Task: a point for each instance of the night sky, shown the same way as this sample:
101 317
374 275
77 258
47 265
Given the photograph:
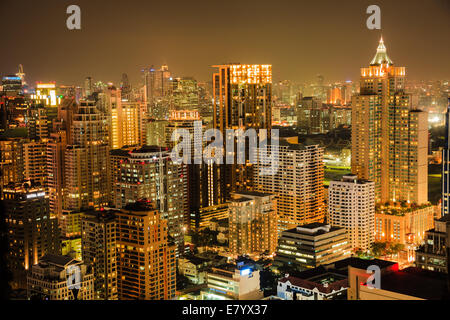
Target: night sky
299 38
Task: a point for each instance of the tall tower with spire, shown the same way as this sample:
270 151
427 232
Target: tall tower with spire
21 75
389 135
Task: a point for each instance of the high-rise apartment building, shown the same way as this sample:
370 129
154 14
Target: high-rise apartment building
11 161
389 136
252 223
146 256
351 205
156 90
46 99
149 173
125 87
99 249
35 161
37 125
66 112
55 170
242 96
148 77
86 160
202 189
32 233
163 82
310 115
297 182
88 88
126 120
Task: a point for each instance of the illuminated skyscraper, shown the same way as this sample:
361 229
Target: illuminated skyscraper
310 115
125 87
242 100
86 160
149 173
148 75
35 160
389 136
88 89
200 176
146 256
297 182
23 159
46 97
11 161
163 79
252 223
351 205
37 124
66 111
55 171
32 233
99 249
125 118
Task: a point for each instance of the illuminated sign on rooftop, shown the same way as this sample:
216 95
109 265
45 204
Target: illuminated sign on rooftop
7 78
245 272
45 85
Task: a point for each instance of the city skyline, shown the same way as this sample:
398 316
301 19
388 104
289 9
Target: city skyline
277 35
181 166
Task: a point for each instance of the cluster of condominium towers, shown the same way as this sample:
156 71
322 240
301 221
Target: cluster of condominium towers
101 184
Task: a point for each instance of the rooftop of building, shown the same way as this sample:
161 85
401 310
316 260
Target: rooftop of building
296 146
353 178
142 205
315 228
444 218
100 216
120 152
149 149
416 282
24 186
285 132
241 199
211 256
361 263
400 208
56 260
381 56
318 272
196 260
225 269
252 194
